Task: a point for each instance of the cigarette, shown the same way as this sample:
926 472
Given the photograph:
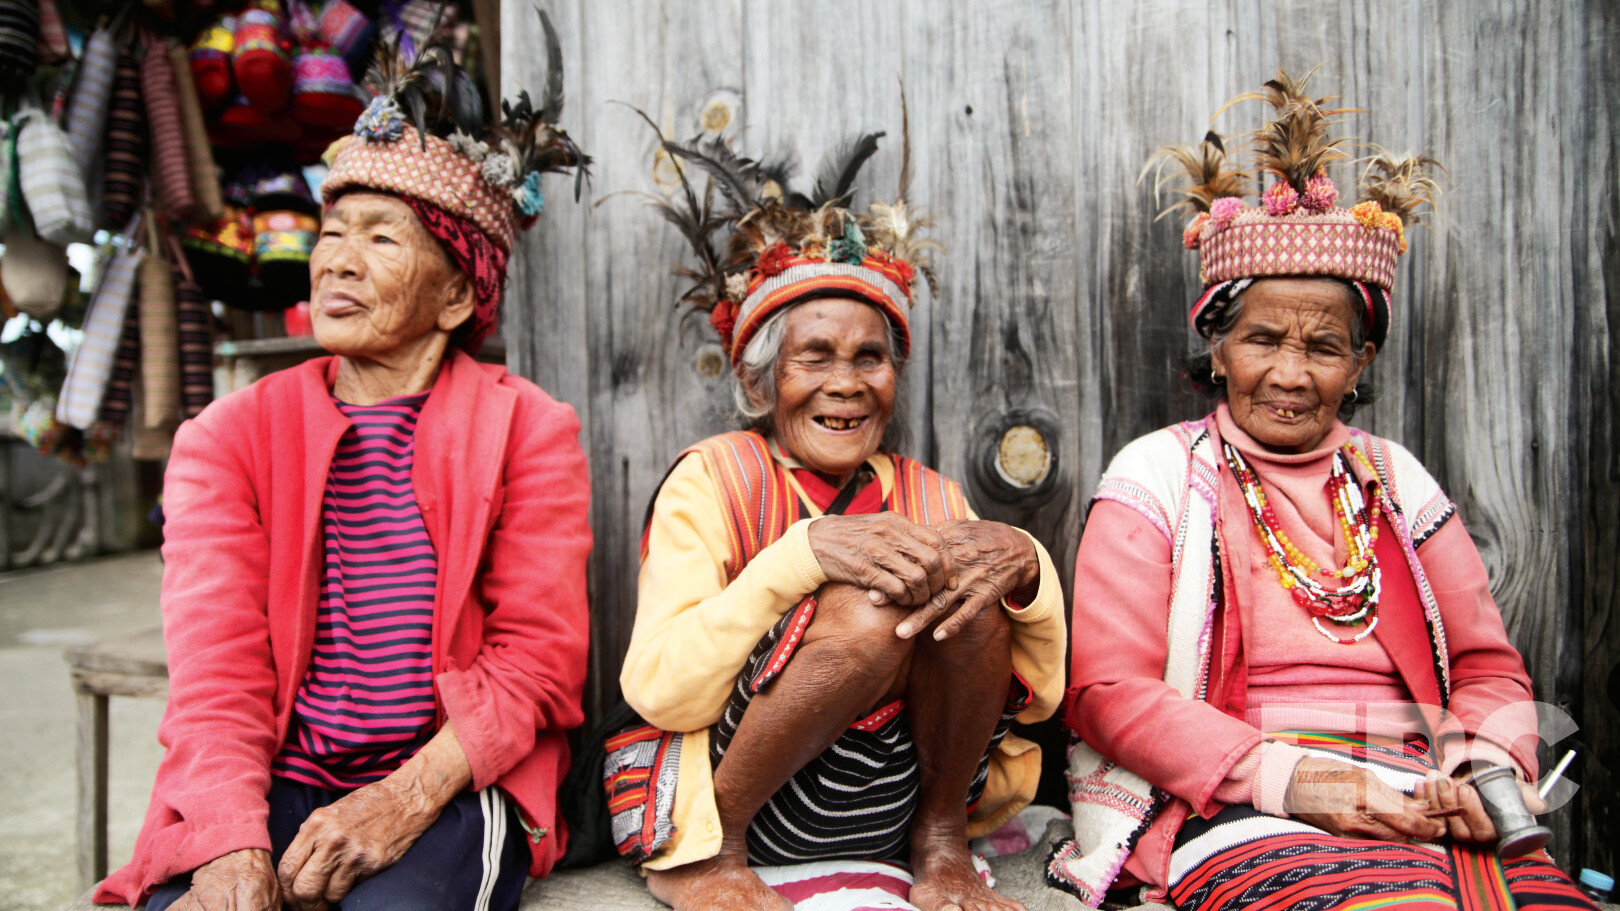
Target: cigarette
1557 773
1442 814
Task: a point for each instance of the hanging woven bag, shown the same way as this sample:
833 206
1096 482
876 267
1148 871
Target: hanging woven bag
204 174
52 184
92 363
160 343
167 131
92 94
116 400
19 40
124 184
196 324
36 275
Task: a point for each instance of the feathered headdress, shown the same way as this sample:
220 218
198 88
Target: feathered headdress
426 136
1297 229
761 245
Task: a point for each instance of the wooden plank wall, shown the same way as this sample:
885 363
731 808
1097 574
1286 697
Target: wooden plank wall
1062 301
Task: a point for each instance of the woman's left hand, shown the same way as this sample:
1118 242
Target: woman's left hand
1469 823
357 836
370 829
993 561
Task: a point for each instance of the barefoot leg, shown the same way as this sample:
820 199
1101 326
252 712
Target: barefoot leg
848 661
955 696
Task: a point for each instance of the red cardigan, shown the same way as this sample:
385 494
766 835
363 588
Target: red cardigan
503 487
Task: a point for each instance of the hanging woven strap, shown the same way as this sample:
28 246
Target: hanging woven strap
160 338
92 363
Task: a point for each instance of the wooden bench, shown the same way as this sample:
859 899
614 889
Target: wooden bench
134 665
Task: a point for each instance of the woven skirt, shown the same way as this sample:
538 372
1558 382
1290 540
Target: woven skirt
857 798
1243 859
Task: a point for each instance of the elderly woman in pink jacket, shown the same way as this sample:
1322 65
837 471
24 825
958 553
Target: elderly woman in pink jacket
1291 660
374 597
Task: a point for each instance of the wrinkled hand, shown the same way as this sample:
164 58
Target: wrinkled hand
349 840
1472 825
239 881
992 561
894 559
1344 800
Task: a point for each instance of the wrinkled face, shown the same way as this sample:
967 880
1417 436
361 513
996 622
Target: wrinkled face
835 382
1288 361
379 282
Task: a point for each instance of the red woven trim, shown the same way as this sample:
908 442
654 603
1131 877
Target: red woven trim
819 285
480 260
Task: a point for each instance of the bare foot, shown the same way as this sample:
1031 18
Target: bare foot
721 883
946 880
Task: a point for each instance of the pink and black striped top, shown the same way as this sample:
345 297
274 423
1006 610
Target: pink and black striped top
366 703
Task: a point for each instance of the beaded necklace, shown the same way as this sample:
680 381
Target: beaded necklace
1356 601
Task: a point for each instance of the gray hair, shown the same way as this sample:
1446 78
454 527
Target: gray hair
1199 366
756 372
1229 314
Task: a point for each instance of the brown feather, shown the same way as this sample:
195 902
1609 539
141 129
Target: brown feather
1400 183
1204 169
1295 145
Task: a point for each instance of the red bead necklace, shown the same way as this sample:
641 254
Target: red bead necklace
1354 602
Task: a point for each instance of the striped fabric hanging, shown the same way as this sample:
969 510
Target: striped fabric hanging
51 181
19 39
196 345
116 401
199 154
124 184
160 344
92 363
92 91
167 132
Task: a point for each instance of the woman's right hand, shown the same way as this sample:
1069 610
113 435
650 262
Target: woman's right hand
896 560
1342 799
242 880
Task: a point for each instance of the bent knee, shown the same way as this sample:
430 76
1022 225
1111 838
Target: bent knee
989 630
846 615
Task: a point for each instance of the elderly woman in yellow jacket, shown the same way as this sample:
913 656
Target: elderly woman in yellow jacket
829 647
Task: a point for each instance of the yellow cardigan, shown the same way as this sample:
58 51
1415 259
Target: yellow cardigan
693 634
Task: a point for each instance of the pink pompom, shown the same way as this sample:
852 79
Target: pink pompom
1320 193
1281 199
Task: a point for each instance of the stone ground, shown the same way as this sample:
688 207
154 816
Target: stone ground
42 612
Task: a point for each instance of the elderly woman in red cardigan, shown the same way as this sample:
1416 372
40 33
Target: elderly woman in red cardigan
1292 659
374 592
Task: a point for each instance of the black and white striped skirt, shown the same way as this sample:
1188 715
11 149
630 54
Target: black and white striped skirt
857 798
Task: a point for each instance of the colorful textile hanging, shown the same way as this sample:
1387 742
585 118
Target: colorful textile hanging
52 184
199 155
160 344
19 39
124 185
116 401
92 92
92 363
196 345
167 132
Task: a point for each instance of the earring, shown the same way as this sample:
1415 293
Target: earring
1215 378
1351 397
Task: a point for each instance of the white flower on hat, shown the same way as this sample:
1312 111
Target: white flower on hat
468 146
500 170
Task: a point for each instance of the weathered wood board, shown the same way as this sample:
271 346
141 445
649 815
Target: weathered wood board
1062 301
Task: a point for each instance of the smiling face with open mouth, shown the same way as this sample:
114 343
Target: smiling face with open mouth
835 384
1289 361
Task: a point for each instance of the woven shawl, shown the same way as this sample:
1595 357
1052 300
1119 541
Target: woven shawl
1171 478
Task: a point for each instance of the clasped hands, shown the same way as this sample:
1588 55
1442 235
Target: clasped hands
947 573
1342 799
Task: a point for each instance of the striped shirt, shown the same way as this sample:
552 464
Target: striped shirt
366 703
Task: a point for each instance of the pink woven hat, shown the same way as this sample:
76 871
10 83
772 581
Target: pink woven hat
473 180
769 247
1297 229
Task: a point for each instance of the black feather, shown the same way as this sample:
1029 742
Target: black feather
835 181
551 105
